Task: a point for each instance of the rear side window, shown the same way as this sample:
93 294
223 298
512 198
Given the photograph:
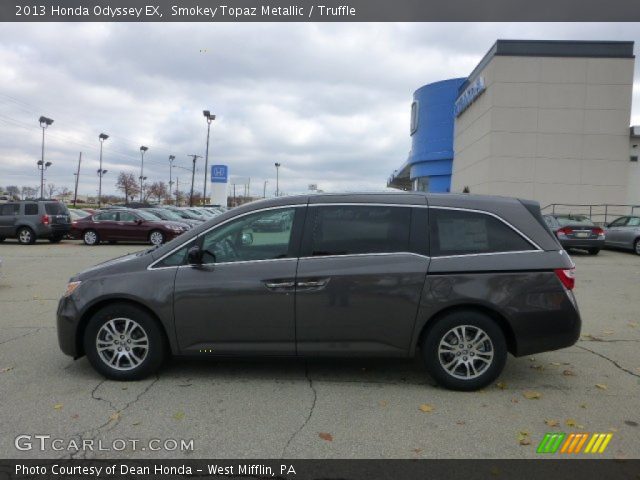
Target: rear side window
106 216
633 222
10 209
455 232
55 209
346 230
31 209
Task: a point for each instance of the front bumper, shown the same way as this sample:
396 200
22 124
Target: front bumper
67 319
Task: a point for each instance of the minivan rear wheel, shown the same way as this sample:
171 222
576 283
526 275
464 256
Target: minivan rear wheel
124 342
464 350
26 236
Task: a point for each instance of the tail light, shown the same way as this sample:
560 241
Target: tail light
598 231
565 231
567 277
45 219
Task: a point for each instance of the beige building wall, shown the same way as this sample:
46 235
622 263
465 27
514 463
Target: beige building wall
633 189
551 129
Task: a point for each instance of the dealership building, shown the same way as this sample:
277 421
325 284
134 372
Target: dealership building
544 120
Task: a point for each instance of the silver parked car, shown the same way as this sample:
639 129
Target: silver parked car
624 232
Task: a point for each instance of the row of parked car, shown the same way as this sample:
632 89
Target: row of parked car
580 232
29 220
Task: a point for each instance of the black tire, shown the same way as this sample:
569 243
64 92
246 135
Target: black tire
158 235
157 344
442 329
636 246
90 237
26 236
56 239
594 251
2 239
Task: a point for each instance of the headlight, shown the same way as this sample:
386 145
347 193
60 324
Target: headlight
71 287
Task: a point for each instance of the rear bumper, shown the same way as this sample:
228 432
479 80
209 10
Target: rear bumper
51 230
558 328
582 243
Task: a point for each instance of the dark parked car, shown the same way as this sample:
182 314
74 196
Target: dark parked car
577 231
461 279
126 225
32 219
624 232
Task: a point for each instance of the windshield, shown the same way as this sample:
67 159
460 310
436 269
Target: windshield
575 220
167 215
55 209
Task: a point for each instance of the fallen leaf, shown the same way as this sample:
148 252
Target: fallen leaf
383 403
531 395
555 364
178 415
124 388
633 324
569 373
135 424
75 415
515 400
523 438
460 422
570 422
537 366
58 406
601 386
425 407
417 450
326 436
552 423
6 369
114 416
501 385
583 405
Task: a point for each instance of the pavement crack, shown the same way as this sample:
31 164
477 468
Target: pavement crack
313 406
36 330
616 364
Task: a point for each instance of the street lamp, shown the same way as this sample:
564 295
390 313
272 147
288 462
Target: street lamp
210 118
44 123
102 137
42 166
142 177
171 159
193 175
277 179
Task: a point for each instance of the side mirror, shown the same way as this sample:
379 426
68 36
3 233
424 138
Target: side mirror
139 221
247 239
194 255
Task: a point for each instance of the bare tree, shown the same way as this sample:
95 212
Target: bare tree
51 189
13 191
128 184
158 190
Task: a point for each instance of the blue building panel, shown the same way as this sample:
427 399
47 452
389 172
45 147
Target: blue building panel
430 160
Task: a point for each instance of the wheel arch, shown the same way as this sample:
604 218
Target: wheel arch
493 313
104 302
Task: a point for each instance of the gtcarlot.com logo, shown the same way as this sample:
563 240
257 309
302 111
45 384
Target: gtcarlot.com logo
559 442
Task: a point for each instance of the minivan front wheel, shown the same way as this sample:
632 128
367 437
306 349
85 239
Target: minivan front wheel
464 350
124 342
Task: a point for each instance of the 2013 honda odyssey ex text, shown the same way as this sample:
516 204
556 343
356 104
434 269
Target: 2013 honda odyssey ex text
461 279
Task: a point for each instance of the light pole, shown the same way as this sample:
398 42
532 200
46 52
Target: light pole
42 166
102 137
264 189
44 123
171 159
143 149
210 118
193 176
277 179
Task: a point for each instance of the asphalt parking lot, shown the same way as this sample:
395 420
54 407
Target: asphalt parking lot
316 408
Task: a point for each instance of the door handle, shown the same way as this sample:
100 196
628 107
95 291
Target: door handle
313 283
279 285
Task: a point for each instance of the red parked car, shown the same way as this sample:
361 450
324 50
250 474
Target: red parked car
126 226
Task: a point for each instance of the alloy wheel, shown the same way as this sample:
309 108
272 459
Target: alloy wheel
25 236
90 237
156 238
465 352
122 344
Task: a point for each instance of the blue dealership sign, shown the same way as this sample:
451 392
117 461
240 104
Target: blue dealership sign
219 174
472 92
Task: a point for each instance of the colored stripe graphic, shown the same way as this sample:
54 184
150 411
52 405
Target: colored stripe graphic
598 443
574 443
550 442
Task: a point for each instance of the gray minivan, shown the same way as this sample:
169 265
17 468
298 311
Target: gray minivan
462 279
29 220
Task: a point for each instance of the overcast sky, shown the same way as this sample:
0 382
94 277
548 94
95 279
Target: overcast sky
330 102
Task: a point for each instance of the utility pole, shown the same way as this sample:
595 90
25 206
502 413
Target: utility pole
171 159
264 189
210 118
177 191
143 149
75 193
193 176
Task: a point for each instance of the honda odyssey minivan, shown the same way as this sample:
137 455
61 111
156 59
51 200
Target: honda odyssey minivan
460 280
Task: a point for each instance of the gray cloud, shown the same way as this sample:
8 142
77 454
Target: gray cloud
328 101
